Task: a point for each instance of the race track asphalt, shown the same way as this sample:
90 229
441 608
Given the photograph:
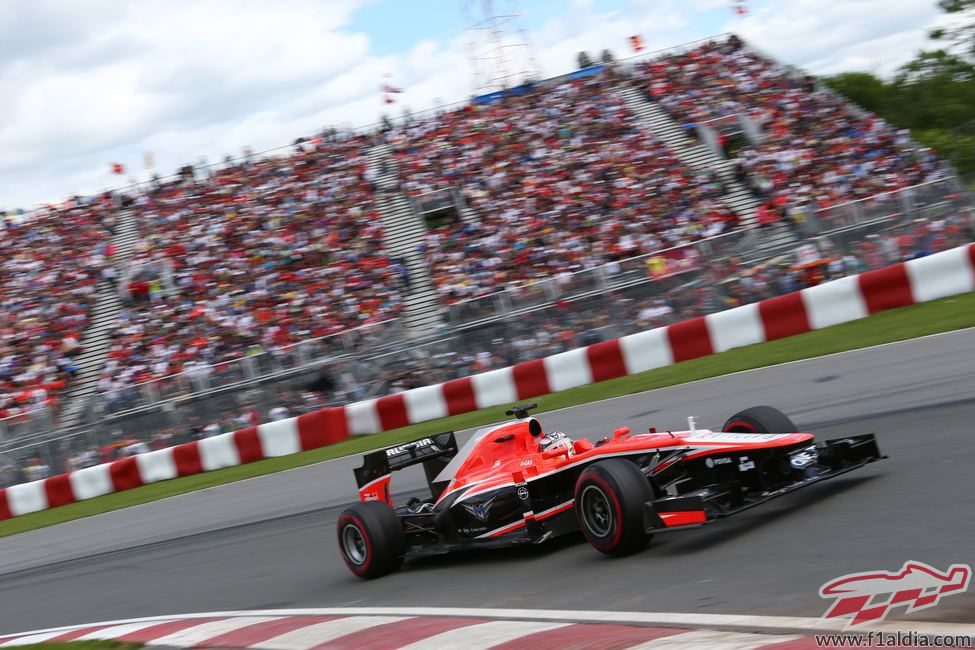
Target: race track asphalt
269 542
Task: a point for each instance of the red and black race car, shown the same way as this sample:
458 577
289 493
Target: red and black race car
502 488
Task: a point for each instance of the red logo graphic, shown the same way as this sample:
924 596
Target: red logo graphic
869 596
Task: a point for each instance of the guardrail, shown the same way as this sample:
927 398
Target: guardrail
435 200
185 385
607 276
585 320
275 361
607 289
33 421
913 200
851 298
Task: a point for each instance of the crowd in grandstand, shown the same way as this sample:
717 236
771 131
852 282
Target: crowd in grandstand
560 179
716 284
263 254
267 253
51 261
816 150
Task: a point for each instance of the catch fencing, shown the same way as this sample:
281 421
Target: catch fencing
539 318
850 298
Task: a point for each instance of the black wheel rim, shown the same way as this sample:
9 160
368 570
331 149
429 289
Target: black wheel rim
597 514
354 544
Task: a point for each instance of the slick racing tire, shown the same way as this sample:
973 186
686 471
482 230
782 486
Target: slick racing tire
760 419
371 539
609 501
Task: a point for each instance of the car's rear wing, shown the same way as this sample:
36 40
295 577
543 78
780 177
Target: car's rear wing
433 452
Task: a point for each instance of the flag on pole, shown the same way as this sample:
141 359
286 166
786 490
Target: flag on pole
118 168
636 42
388 89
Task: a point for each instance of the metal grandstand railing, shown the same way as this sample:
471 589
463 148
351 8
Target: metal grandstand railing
590 317
667 267
909 200
710 131
274 362
914 200
642 268
162 270
192 392
435 200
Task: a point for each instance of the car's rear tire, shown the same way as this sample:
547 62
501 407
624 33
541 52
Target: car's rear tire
760 419
371 539
609 501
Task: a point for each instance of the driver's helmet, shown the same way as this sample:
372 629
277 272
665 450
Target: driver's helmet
555 440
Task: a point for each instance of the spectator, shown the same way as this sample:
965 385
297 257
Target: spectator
279 413
262 255
51 260
562 179
816 149
36 470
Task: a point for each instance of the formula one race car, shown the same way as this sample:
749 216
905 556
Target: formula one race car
502 488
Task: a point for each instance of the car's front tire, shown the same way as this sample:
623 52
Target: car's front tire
371 539
609 501
760 419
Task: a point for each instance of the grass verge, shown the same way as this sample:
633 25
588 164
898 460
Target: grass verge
944 315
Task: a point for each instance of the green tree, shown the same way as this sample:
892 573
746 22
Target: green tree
935 90
956 147
962 35
863 88
933 95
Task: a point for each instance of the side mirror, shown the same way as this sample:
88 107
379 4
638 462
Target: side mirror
534 427
621 432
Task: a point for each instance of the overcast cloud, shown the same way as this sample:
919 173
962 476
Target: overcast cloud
90 82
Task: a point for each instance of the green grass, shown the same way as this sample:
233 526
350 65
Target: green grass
895 325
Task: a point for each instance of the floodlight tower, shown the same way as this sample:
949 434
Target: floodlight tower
498 47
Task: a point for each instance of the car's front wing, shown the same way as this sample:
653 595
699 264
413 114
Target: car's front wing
717 501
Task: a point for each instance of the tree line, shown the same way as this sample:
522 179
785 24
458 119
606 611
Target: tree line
933 95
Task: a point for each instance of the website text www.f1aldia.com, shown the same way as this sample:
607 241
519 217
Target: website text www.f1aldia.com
907 639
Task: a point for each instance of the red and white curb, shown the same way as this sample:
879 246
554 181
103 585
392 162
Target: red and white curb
418 628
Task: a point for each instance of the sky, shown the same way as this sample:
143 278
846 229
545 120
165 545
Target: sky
87 83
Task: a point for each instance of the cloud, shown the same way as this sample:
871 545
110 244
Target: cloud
34 30
86 84
824 37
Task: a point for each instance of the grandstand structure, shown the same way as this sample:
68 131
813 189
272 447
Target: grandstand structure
402 230
566 211
693 153
97 335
